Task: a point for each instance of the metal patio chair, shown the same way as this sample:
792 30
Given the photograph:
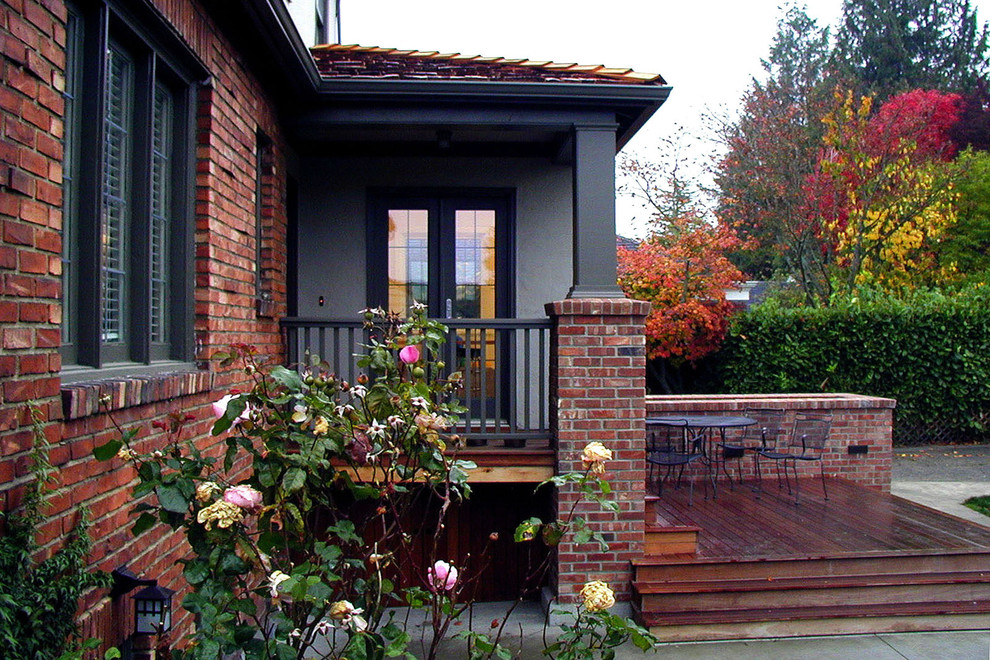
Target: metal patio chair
768 427
807 443
670 447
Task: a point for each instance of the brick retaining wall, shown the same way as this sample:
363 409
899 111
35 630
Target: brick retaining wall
856 420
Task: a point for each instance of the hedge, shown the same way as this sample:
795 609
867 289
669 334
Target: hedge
930 351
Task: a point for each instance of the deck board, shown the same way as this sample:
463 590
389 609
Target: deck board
741 524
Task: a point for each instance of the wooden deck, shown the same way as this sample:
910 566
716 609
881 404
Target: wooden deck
741 524
862 561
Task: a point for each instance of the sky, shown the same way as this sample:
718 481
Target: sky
708 50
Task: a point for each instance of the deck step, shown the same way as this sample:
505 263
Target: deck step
665 540
686 568
875 591
757 595
656 621
818 582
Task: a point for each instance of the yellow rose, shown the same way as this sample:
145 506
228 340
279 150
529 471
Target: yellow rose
594 456
597 596
206 490
224 514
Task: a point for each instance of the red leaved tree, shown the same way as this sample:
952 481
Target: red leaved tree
684 272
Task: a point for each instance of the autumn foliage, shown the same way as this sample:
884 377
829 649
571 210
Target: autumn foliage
684 272
883 189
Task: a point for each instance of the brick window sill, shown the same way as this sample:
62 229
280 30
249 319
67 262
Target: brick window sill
82 399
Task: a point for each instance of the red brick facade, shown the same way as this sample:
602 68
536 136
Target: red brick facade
856 420
597 393
233 108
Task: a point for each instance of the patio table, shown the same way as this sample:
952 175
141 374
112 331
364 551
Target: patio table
701 426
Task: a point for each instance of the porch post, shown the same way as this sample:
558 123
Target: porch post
598 393
594 214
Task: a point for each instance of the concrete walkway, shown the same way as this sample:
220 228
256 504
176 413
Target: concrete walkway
943 477
524 638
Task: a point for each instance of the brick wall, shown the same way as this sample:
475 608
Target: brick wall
597 393
30 212
230 112
856 420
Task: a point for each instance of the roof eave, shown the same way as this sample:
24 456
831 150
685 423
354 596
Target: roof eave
643 100
277 37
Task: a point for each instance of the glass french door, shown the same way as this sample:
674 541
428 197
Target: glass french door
451 253
446 252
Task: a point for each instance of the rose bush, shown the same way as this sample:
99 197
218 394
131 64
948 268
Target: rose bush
298 527
285 554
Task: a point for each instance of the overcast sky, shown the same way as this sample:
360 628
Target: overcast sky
706 49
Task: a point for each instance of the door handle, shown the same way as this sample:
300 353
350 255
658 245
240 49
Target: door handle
449 309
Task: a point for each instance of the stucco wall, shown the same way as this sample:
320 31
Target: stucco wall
332 250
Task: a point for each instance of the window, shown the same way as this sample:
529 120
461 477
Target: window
128 194
264 208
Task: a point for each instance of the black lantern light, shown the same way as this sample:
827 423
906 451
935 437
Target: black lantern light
152 610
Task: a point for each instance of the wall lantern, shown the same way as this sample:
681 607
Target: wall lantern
152 605
152 610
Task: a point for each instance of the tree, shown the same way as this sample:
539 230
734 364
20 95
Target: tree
664 184
684 272
966 249
885 189
973 127
772 149
891 46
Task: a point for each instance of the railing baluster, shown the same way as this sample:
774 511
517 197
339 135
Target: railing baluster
527 386
544 382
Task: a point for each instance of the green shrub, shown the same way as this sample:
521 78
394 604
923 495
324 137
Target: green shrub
38 600
929 350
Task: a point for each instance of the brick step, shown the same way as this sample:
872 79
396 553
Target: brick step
656 621
864 590
686 568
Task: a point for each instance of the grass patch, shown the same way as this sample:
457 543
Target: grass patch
980 504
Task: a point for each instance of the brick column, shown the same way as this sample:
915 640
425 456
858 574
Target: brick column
597 392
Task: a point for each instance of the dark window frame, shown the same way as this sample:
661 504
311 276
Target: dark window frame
160 61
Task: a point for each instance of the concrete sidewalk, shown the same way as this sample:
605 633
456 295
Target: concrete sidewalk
943 477
524 638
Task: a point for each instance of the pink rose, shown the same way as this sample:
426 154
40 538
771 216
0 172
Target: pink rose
243 496
409 354
442 576
220 408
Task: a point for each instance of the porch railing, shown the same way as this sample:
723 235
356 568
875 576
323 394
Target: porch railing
503 365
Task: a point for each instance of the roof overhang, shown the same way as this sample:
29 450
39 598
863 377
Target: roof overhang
320 106
529 104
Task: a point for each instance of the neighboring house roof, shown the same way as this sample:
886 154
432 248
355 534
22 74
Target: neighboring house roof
351 61
626 242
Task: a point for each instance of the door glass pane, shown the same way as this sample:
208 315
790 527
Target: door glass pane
474 296
474 277
408 258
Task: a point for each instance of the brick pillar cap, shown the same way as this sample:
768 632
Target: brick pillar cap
598 307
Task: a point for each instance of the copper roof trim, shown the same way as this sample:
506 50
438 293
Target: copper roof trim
379 62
